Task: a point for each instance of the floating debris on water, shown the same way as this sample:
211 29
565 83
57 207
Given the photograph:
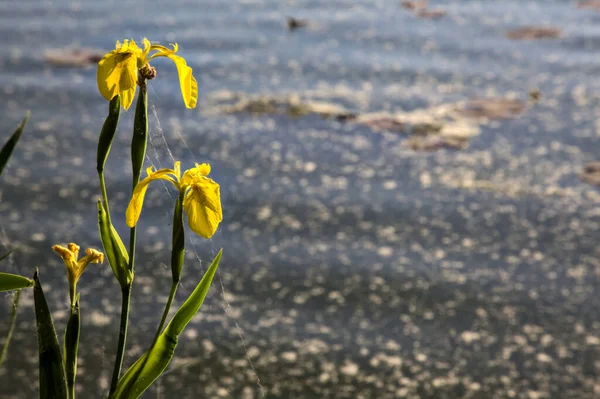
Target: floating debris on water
294 23
434 143
534 33
291 105
420 9
534 95
592 5
73 56
387 124
448 125
431 14
414 5
492 108
591 173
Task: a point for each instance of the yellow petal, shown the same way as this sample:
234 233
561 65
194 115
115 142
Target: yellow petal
162 49
92 256
203 207
134 209
193 174
74 248
117 72
203 169
177 170
65 253
147 48
187 82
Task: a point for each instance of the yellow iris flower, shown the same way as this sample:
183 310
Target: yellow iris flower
201 197
76 267
118 71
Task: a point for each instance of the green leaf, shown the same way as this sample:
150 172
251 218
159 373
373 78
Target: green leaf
53 383
11 143
151 364
6 255
9 281
71 347
191 306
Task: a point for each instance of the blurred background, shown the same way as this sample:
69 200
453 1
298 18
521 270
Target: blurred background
408 194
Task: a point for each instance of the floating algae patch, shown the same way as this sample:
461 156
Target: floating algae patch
285 104
445 126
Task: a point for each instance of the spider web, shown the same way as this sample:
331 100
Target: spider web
159 151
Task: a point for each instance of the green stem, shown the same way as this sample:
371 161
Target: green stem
126 297
104 196
71 347
13 319
174 286
177 258
107 134
139 143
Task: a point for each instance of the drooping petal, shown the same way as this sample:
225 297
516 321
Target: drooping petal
203 207
187 82
134 209
163 49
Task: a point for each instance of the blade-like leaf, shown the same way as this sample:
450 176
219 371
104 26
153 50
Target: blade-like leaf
53 383
9 281
151 364
6 255
191 306
11 143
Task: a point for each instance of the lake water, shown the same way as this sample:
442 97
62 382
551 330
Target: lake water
354 266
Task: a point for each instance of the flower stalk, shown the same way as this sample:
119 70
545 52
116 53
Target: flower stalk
71 347
12 323
177 258
139 144
107 135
